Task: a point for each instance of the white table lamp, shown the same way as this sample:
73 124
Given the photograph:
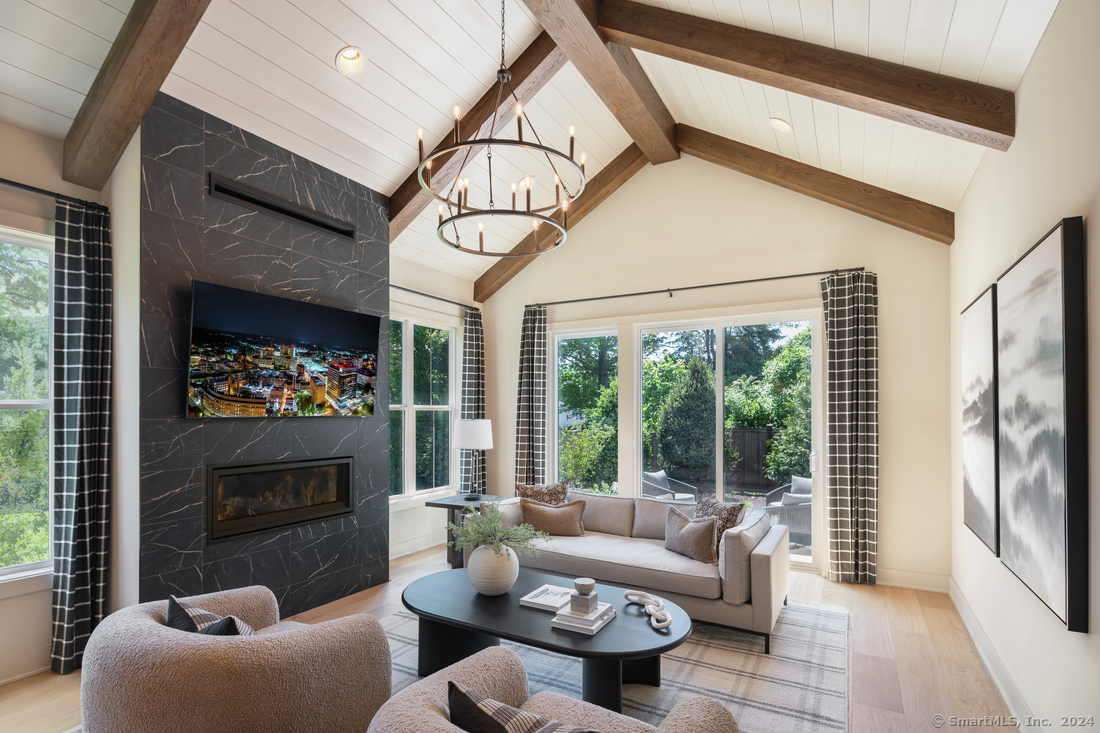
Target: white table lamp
473 435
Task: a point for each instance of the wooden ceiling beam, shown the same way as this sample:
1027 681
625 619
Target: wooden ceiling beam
613 72
151 39
960 109
885 206
602 185
530 72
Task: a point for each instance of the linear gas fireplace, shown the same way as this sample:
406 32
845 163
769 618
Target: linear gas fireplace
254 497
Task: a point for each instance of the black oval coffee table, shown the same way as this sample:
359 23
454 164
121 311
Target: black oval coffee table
457 621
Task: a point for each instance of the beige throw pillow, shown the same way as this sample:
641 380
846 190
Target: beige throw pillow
693 538
563 520
544 493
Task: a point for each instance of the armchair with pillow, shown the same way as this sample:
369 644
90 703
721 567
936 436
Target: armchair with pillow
792 505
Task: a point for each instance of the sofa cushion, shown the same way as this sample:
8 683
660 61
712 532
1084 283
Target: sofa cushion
474 713
650 516
628 562
735 556
795 499
800 485
509 509
563 520
546 493
692 538
606 513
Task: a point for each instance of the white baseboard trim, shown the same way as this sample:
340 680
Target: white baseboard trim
24 664
416 544
997 668
913 579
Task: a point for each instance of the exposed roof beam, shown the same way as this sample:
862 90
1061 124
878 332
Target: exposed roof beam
885 206
602 185
960 109
613 72
534 67
148 44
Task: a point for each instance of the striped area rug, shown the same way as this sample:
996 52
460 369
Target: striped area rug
802 687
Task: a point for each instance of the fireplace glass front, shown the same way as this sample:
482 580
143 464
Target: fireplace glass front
255 497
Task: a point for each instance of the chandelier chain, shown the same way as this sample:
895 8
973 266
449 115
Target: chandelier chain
502 37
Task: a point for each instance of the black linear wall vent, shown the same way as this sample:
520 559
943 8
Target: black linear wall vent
239 193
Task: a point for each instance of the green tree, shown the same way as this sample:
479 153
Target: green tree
579 450
585 367
659 376
685 425
306 407
748 348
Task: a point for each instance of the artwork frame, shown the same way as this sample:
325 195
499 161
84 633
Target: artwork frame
978 361
1042 433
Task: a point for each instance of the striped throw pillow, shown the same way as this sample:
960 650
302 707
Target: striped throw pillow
186 617
475 713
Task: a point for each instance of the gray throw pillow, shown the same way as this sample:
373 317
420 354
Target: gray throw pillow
796 499
692 538
800 485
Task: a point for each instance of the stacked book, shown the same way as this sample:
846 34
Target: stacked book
587 623
548 597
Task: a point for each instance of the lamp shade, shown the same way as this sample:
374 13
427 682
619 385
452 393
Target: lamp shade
473 434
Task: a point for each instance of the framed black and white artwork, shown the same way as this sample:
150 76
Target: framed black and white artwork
1043 422
978 333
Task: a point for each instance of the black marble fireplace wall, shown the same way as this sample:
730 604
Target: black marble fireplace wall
186 234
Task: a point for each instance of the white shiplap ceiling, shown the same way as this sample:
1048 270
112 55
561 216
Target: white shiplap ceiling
267 66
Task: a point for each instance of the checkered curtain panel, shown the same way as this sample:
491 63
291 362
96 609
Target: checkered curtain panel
473 396
851 332
82 427
531 406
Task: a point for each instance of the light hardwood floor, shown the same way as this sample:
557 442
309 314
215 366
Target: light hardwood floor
910 657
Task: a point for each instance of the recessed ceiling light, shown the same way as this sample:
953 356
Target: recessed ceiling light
351 60
781 124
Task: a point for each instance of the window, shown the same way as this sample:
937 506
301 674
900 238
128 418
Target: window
421 407
25 405
587 388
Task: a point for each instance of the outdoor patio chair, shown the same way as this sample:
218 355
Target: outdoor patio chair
792 505
659 486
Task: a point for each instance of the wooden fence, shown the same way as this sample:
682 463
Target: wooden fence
746 473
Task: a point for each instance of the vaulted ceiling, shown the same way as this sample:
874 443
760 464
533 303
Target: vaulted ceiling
267 65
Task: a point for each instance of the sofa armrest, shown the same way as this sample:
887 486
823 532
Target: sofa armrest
771 577
699 714
496 672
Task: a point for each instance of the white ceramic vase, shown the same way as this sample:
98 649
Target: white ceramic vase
492 574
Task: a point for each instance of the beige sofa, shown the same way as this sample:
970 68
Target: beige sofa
141 675
623 544
498 673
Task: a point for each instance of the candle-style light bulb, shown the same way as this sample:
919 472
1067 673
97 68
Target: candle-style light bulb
582 163
441 213
466 191
457 114
557 190
481 235
428 173
565 214
513 197
459 195
519 121
527 185
571 141
420 142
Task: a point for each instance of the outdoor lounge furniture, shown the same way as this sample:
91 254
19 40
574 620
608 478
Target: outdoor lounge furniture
499 674
658 485
142 675
792 505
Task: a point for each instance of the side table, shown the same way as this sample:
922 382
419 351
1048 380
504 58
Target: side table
454 505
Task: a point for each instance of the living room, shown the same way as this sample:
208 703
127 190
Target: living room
269 153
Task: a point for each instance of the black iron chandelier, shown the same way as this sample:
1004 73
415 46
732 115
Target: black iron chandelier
462 223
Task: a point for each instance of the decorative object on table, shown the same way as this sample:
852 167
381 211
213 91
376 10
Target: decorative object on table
1043 432
547 598
563 520
493 566
463 223
978 328
584 623
659 618
473 435
585 599
553 494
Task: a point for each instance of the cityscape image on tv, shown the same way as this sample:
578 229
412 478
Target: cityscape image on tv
274 357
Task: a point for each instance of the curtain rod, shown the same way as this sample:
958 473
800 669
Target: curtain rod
50 194
670 291
433 297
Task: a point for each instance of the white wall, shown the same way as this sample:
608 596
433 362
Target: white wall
690 223
25 603
1051 171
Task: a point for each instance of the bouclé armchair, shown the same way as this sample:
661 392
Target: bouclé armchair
141 675
498 673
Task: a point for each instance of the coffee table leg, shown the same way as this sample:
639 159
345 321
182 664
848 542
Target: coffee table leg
645 671
441 645
603 683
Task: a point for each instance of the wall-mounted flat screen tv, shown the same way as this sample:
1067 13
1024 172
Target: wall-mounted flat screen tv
256 355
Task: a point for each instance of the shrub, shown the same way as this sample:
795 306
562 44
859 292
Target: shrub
686 422
24 538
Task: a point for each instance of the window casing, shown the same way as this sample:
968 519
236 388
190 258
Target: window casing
26 402
424 399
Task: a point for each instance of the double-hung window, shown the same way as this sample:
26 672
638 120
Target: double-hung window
423 401
26 265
